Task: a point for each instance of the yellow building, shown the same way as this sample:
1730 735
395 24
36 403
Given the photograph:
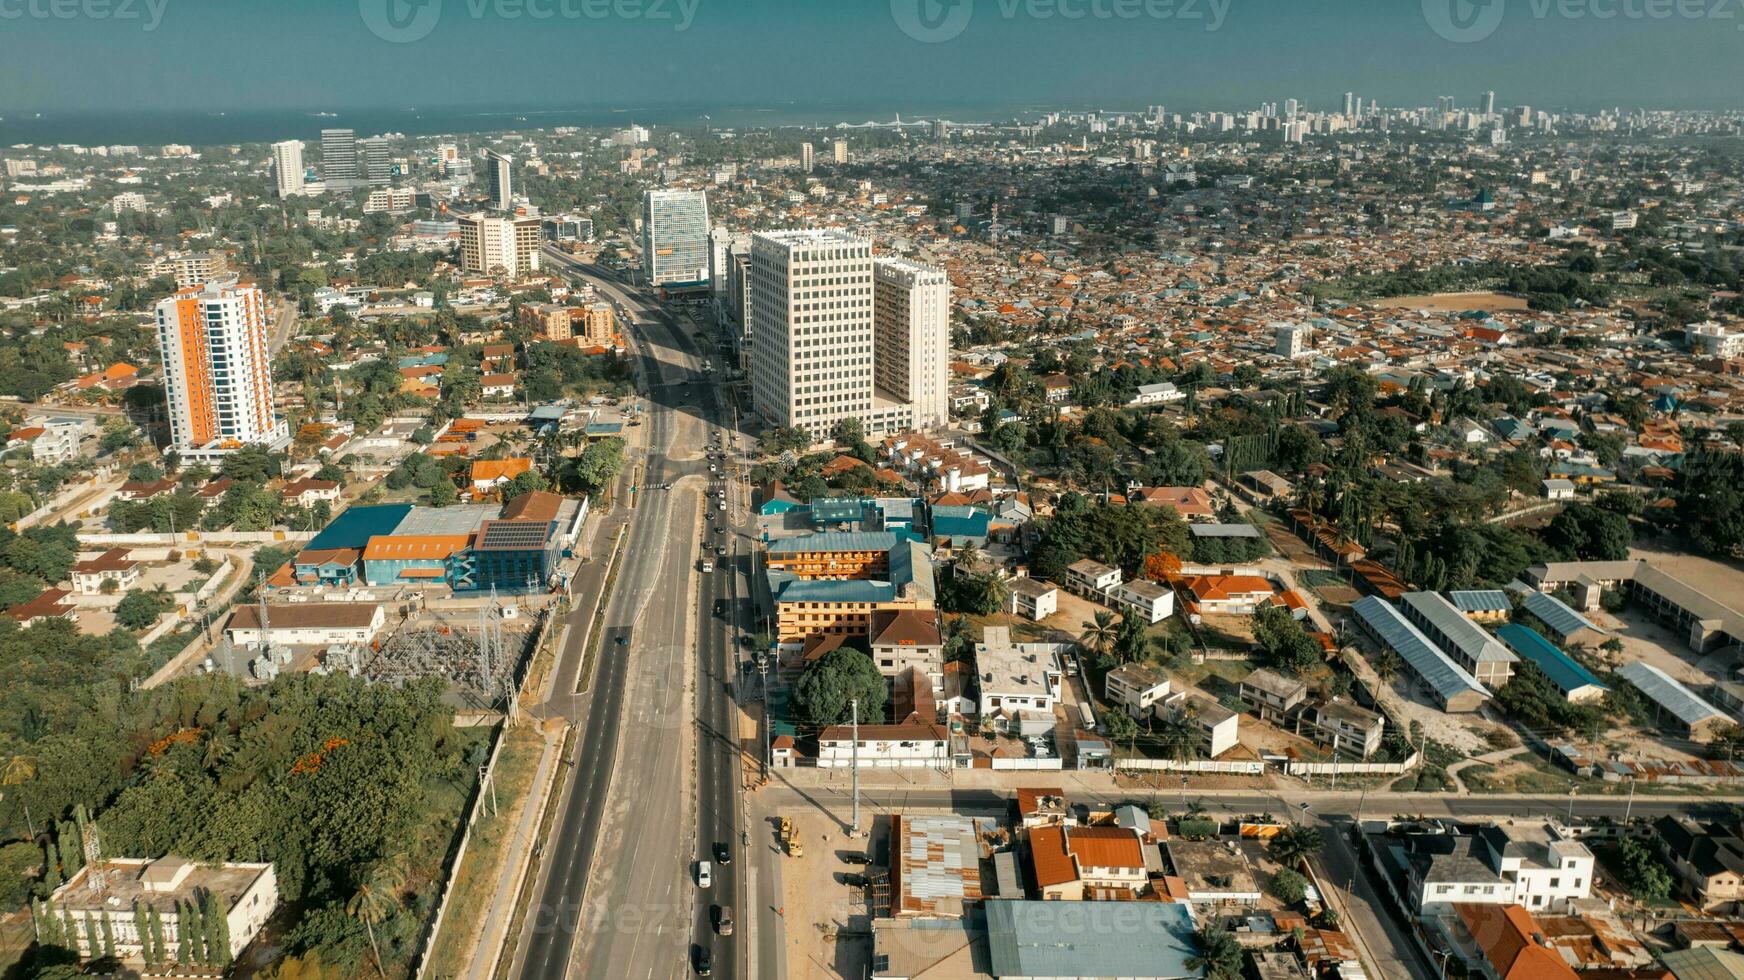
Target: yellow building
833 584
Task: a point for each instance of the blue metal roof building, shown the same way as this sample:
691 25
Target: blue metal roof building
1575 681
1567 624
354 527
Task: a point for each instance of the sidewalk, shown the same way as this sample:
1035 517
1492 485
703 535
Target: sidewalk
488 944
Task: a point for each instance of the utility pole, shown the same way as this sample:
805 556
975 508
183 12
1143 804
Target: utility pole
1627 807
854 706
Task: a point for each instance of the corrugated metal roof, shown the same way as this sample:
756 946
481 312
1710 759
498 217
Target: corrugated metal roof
1423 657
834 541
1668 692
1564 671
1473 643
1481 600
1557 615
1090 939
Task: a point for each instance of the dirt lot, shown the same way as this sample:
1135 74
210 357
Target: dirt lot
829 925
1644 639
1452 302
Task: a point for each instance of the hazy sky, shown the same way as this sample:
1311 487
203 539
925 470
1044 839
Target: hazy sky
284 54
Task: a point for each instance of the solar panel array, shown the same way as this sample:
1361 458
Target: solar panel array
514 535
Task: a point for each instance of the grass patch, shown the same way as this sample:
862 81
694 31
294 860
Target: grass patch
475 879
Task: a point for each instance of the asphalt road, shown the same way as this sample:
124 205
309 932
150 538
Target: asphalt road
618 898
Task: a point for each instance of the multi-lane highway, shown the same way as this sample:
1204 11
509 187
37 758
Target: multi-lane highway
617 896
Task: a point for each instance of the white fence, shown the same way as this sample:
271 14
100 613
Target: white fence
1029 765
1354 768
1233 768
193 538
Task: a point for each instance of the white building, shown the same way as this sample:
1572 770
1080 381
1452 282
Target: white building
1136 688
1157 394
911 343
1292 339
1151 602
113 565
1019 684
217 373
316 624
675 237
499 246
1092 579
811 329
1713 340
288 168
110 890
913 746
1034 599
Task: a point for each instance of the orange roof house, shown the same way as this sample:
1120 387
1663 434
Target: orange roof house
488 474
1508 936
110 378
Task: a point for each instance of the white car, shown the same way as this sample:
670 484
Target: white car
704 874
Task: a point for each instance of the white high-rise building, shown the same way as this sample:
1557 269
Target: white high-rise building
1292 339
835 333
1489 103
374 164
807 158
500 173
496 245
839 151
217 373
288 168
675 237
339 169
911 338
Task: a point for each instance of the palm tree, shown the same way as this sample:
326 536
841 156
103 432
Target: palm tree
1387 666
376 899
1295 843
1099 635
1219 955
21 769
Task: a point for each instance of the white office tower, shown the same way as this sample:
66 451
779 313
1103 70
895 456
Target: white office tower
720 243
675 238
811 329
1489 103
840 151
339 159
911 338
807 158
217 374
500 173
1349 104
288 168
496 245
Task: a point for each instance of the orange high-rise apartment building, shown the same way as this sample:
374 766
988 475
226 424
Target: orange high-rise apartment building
216 371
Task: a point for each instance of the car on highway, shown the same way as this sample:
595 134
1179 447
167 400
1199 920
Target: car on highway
724 919
705 874
704 961
721 550
723 852
722 505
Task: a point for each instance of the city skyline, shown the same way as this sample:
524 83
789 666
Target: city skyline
1197 52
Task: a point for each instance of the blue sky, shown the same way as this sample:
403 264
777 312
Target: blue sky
294 54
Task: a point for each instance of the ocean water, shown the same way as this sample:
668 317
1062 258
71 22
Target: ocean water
90 128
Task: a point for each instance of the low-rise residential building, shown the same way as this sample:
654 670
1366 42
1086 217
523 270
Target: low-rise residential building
1273 696
905 639
1219 728
1033 599
1707 859
1343 726
1227 595
1136 688
1147 600
1077 863
1532 865
112 566
1092 579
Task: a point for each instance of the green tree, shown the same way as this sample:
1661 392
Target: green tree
1295 843
217 921
1642 872
377 897
1584 532
1289 886
140 610
1099 635
822 695
1219 954
1121 728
